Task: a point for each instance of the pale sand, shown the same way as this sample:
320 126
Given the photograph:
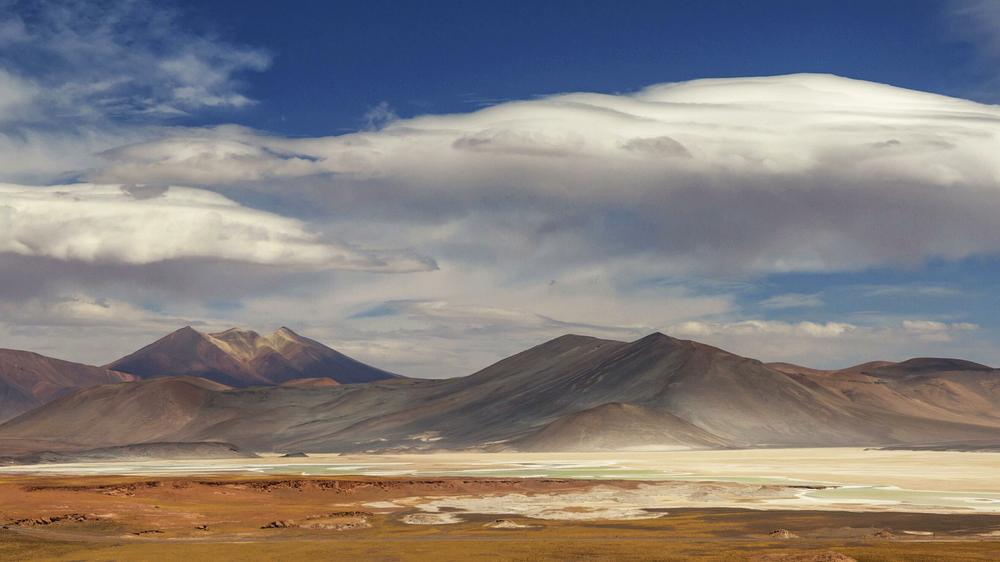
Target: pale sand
914 470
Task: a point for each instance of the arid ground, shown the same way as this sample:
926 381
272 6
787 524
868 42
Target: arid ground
771 513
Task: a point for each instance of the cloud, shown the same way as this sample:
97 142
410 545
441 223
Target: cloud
832 344
82 311
745 175
819 329
131 225
479 318
933 330
78 78
908 290
84 328
91 60
978 21
764 327
791 300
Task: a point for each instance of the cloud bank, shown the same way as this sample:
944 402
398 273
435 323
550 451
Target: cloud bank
752 175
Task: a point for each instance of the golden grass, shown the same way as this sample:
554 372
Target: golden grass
234 513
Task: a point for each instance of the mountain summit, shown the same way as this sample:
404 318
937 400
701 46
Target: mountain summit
245 358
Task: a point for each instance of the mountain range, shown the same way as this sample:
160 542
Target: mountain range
571 393
237 358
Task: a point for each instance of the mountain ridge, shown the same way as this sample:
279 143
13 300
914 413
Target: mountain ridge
573 392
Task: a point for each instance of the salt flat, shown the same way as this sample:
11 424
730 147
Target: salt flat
924 470
828 478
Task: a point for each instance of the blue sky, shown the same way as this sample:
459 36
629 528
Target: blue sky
432 186
344 58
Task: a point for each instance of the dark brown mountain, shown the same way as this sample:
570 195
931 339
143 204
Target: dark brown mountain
574 392
245 358
28 380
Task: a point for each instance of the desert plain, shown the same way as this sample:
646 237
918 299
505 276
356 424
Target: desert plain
832 504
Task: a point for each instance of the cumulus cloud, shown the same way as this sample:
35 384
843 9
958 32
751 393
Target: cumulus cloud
751 175
135 225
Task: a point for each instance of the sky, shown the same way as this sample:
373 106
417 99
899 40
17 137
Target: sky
430 187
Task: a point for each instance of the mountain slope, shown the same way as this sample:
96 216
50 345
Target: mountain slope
115 414
245 358
28 380
946 390
739 400
616 426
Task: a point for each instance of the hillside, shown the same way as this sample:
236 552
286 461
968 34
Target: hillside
28 380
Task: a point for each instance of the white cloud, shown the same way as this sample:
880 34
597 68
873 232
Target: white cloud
141 225
119 58
753 175
77 78
765 328
932 329
833 344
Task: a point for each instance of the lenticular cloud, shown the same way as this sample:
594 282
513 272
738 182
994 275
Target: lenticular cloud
141 225
785 173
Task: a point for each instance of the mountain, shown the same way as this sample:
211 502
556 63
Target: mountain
245 358
946 390
571 393
115 414
28 380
